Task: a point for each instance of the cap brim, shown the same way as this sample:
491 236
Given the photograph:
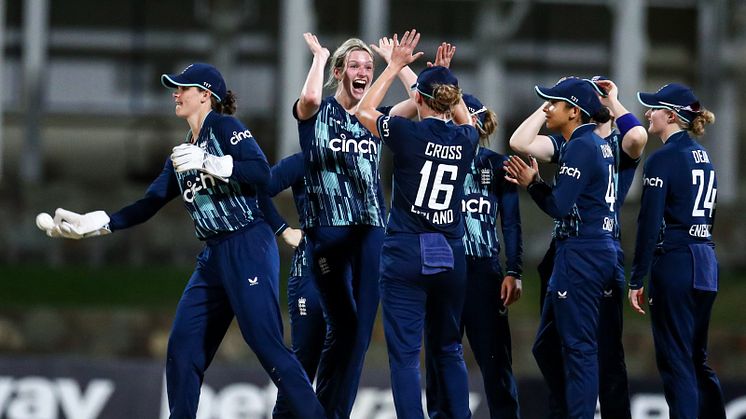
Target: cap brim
172 81
597 88
549 94
649 100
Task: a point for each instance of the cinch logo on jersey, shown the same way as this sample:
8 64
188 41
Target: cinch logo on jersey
569 171
479 205
199 183
701 231
238 136
655 182
606 151
385 127
363 146
448 152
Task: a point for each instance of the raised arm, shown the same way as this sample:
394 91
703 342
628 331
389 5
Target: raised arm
443 57
527 141
401 56
310 96
634 136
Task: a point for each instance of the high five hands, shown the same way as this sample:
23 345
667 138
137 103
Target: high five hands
402 53
519 172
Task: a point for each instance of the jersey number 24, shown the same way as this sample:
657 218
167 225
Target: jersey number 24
698 178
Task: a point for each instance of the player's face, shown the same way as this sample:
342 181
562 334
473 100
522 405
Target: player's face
357 75
658 120
557 114
189 100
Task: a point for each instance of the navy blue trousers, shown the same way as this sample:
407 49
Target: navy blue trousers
680 317
583 269
236 276
307 331
485 321
412 304
346 264
613 383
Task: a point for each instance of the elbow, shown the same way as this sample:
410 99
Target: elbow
309 99
263 176
365 115
515 144
634 141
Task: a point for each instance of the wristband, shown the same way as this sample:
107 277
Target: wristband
626 122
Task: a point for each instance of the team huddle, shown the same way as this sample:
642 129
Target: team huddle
433 260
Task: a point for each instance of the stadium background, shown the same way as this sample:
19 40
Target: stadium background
86 125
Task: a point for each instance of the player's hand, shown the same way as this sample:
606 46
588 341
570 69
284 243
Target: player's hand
71 225
519 172
612 92
315 46
292 236
384 48
444 55
403 53
190 157
511 290
187 157
637 299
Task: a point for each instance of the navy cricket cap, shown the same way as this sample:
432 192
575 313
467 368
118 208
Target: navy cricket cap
600 90
577 92
431 77
674 97
199 75
475 107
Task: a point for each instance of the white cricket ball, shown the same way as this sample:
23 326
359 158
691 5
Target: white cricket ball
44 221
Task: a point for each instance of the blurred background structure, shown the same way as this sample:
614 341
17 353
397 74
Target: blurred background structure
85 124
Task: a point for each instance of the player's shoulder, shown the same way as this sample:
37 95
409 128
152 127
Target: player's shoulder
225 121
586 142
490 157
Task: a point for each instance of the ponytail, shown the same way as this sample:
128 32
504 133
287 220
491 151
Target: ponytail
697 126
227 106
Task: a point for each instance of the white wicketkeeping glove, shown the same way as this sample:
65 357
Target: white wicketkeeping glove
190 157
72 225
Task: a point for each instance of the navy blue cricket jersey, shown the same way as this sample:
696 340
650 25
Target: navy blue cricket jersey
624 175
343 185
431 160
290 173
583 199
678 201
216 207
486 195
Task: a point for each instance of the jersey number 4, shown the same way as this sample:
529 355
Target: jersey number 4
434 203
611 190
698 178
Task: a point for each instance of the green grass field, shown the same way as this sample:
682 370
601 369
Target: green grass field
160 286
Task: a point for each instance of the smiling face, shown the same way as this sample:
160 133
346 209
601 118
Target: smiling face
658 119
190 100
558 113
355 79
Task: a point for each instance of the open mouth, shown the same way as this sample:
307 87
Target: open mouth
359 84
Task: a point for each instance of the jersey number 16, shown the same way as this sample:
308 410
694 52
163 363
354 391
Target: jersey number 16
438 186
